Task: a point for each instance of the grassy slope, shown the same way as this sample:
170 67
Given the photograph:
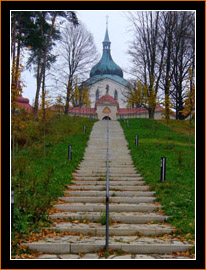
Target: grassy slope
177 193
39 177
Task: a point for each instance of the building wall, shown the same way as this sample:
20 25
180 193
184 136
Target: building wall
112 114
157 116
101 86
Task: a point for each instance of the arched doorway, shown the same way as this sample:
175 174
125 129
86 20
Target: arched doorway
106 118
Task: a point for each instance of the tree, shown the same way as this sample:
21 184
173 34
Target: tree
45 113
189 107
135 96
42 42
162 51
76 95
182 56
18 116
77 53
147 56
167 112
85 101
59 104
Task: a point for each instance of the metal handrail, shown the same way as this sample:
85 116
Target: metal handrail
107 191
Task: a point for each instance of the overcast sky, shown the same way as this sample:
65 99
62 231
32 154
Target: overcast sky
95 22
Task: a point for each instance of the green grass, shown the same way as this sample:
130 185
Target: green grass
177 193
40 176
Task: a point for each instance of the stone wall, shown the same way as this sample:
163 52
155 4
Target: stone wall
157 116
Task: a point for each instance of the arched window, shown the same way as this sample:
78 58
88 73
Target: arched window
115 95
97 94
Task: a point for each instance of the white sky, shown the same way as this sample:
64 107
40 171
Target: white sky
95 22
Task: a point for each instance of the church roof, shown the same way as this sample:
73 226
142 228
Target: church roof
115 78
106 65
107 98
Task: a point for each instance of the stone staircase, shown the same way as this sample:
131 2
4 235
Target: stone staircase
137 225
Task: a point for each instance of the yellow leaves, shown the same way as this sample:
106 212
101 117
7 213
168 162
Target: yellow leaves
85 96
167 105
45 113
135 96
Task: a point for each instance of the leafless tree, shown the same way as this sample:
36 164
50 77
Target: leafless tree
77 53
183 56
162 51
147 55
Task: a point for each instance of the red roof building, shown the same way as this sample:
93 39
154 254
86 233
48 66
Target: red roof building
108 107
23 103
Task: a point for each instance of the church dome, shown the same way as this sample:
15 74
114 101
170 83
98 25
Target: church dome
106 65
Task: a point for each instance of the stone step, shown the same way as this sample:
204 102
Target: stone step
103 151
111 183
74 244
129 200
136 220
115 256
126 171
96 207
111 193
83 171
111 179
101 158
115 188
114 163
127 217
111 175
97 229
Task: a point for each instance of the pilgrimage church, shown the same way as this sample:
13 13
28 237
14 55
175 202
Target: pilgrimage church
106 78
108 91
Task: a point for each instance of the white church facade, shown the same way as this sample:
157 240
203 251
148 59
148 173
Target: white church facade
106 77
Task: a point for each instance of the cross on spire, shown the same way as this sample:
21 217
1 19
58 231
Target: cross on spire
107 20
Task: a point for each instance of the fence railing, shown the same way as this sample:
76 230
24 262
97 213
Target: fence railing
107 191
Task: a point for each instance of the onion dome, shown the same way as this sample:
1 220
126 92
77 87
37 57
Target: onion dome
106 65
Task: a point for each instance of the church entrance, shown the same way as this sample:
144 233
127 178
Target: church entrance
106 118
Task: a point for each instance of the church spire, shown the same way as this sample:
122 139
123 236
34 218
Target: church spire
106 42
106 65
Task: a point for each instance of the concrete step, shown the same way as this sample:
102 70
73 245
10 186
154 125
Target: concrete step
131 200
111 175
74 244
96 207
115 256
132 210
104 170
114 163
127 217
111 183
112 188
97 229
111 193
111 179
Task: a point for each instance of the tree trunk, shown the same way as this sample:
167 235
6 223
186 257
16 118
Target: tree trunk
69 87
151 113
18 46
42 69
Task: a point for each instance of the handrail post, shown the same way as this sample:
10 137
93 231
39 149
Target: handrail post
107 191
